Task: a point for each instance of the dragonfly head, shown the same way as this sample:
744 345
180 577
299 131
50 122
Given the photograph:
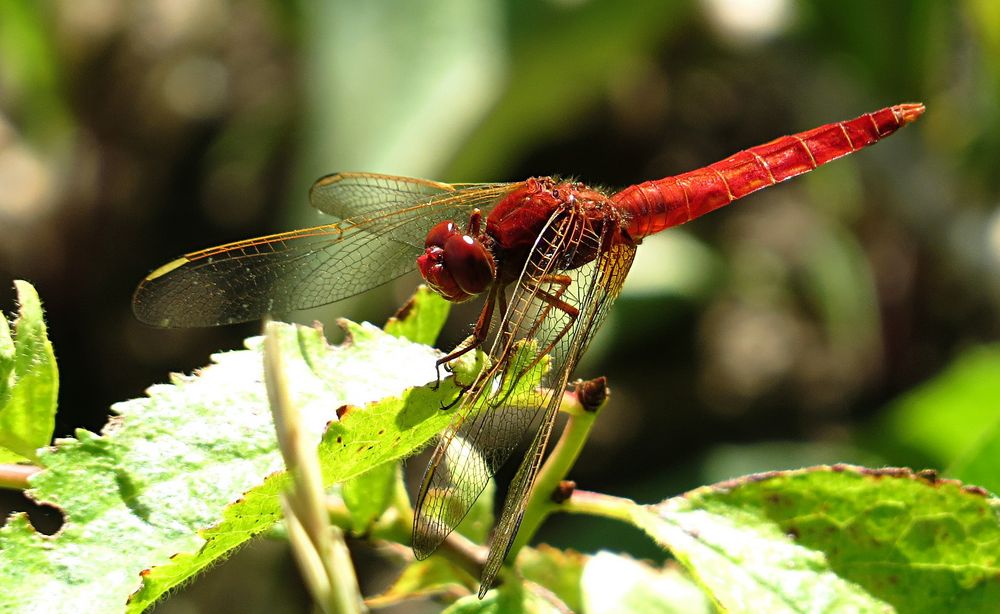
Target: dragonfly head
455 265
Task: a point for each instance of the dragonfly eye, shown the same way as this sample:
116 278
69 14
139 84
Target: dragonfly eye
459 270
469 263
440 234
438 277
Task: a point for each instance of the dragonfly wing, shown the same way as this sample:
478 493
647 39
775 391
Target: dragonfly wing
498 414
305 268
371 196
243 281
494 418
593 288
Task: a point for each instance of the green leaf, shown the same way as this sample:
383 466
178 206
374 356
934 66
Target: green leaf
608 582
29 378
8 457
434 576
835 539
7 353
369 495
560 571
363 437
420 320
613 584
510 598
191 472
951 415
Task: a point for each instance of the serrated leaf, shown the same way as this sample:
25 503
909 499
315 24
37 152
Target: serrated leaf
6 354
611 583
836 539
420 320
363 438
29 378
617 584
369 495
186 475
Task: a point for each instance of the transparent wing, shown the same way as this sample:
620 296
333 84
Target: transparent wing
548 324
370 195
599 284
383 223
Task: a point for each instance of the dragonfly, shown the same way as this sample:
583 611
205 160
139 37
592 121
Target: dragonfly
548 256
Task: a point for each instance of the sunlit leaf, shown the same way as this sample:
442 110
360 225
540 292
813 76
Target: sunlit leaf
420 320
835 538
614 584
29 378
191 472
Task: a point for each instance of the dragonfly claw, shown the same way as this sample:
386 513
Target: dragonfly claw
444 364
437 370
461 393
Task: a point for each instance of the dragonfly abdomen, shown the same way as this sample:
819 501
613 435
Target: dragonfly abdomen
656 205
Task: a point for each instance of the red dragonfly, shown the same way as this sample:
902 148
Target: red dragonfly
550 256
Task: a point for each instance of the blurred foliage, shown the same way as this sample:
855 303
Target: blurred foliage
952 421
131 132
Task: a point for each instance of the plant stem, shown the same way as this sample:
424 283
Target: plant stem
318 546
457 548
396 526
598 504
558 464
16 477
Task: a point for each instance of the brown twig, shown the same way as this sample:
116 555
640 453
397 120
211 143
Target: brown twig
16 477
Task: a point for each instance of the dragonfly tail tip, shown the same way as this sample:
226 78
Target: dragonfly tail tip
909 112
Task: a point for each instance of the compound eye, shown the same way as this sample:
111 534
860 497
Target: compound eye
441 232
437 276
469 263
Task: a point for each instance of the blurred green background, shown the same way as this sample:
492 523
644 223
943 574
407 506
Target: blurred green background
844 316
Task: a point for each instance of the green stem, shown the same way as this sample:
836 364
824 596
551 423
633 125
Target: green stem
555 469
318 547
396 526
597 504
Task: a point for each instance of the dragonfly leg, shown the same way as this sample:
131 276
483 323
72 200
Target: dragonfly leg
475 222
479 334
552 300
458 397
468 344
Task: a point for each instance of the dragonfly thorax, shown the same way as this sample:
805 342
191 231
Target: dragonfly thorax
544 211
